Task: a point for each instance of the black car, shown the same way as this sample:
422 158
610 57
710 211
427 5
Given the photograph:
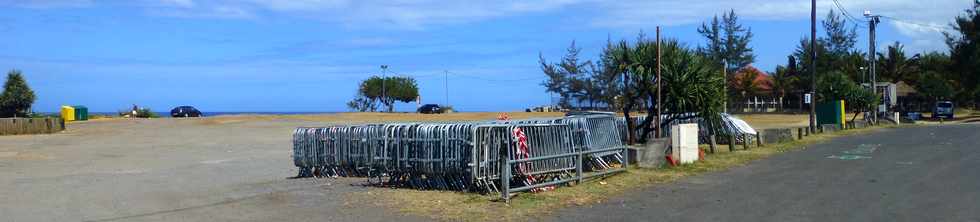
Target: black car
185 111
430 109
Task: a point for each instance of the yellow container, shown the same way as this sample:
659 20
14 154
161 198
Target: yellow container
68 113
843 113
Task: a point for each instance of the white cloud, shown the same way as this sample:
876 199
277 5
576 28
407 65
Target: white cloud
920 21
44 4
624 14
179 3
302 5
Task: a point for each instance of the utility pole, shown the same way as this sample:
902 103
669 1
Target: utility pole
872 22
446 72
813 65
384 76
657 120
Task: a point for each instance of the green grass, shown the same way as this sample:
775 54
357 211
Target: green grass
443 205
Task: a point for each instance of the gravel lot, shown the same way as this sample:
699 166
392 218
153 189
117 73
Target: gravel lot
169 170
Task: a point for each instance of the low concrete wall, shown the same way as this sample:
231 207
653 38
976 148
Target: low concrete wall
649 155
770 136
829 128
18 126
858 124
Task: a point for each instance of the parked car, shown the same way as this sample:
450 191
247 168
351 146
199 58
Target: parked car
185 111
430 109
944 109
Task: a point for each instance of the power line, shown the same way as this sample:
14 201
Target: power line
415 76
497 80
847 14
930 26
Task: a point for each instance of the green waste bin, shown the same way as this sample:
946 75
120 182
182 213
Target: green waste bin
831 112
81 113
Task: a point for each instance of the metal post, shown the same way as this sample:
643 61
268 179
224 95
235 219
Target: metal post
505 175
813 64
758 139
799 133
578 167
446 72
657 120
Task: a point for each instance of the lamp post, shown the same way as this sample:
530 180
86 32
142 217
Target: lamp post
384 77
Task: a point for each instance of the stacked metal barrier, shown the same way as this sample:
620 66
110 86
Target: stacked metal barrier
729 126
466 156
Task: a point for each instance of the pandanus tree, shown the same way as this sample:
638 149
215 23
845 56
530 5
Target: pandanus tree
691 84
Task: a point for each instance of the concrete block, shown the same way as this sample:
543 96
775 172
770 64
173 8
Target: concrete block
651 154
829 128
777 135
858 124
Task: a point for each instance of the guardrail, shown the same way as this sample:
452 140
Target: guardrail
486 157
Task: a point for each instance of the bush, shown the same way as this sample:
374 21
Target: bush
146 113
447 109
140 113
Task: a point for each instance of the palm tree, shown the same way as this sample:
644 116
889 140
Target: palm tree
895 67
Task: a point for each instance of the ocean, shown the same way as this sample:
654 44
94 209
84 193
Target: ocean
167 114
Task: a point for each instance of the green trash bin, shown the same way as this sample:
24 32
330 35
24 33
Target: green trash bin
81 113
830 112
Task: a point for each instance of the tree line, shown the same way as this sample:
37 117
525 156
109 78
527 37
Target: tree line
840 68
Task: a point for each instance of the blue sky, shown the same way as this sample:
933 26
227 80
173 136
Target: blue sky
309 55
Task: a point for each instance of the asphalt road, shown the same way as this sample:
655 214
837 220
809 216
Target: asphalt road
928 173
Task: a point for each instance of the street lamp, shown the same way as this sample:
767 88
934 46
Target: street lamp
384 76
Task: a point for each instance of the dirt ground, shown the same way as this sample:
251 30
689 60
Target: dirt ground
169 170
225 168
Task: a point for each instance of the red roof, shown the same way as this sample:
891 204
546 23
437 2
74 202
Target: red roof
762 80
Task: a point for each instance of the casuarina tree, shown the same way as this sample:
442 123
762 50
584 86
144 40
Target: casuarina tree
385 91
17 97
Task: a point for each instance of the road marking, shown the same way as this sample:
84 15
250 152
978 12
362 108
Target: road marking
216 161
848 157
861 152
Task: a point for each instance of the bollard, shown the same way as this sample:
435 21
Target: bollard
731 143
758 139
713 143
745 141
